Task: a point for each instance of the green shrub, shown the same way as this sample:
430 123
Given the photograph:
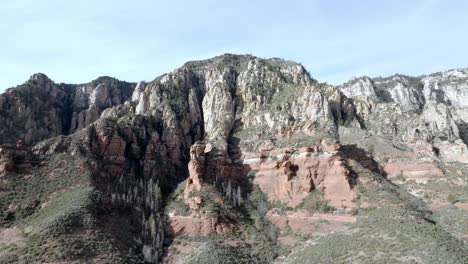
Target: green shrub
315 202
452 199
217 252
176 201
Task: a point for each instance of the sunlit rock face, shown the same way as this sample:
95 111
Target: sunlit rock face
363 86
449 87
407 109
289 175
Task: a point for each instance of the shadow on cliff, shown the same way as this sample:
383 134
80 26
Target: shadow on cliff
363 158
135 174
463 128
253 209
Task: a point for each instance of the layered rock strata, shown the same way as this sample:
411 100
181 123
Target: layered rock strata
284 175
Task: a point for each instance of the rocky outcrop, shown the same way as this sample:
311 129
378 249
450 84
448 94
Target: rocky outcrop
198 225
449 87
90 100
289 175
417 170
231 94
40 109
15 157
411 93
359 87
426 118
7 163
196 167
284 175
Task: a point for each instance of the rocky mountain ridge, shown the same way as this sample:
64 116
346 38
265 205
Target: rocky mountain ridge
411 93
235 147
40 109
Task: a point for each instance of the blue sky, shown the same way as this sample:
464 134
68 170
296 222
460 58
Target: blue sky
77 41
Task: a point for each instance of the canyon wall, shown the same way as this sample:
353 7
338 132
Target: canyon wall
222 122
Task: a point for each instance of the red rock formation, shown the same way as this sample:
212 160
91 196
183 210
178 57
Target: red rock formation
289 175
196 167
419 161
284 175
416 164
198 225
413 170
109 145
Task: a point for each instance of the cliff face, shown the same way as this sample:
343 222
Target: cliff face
217 97
411 93
411 122
40 109
258 142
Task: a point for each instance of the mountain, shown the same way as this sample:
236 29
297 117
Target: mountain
235 159
40 109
